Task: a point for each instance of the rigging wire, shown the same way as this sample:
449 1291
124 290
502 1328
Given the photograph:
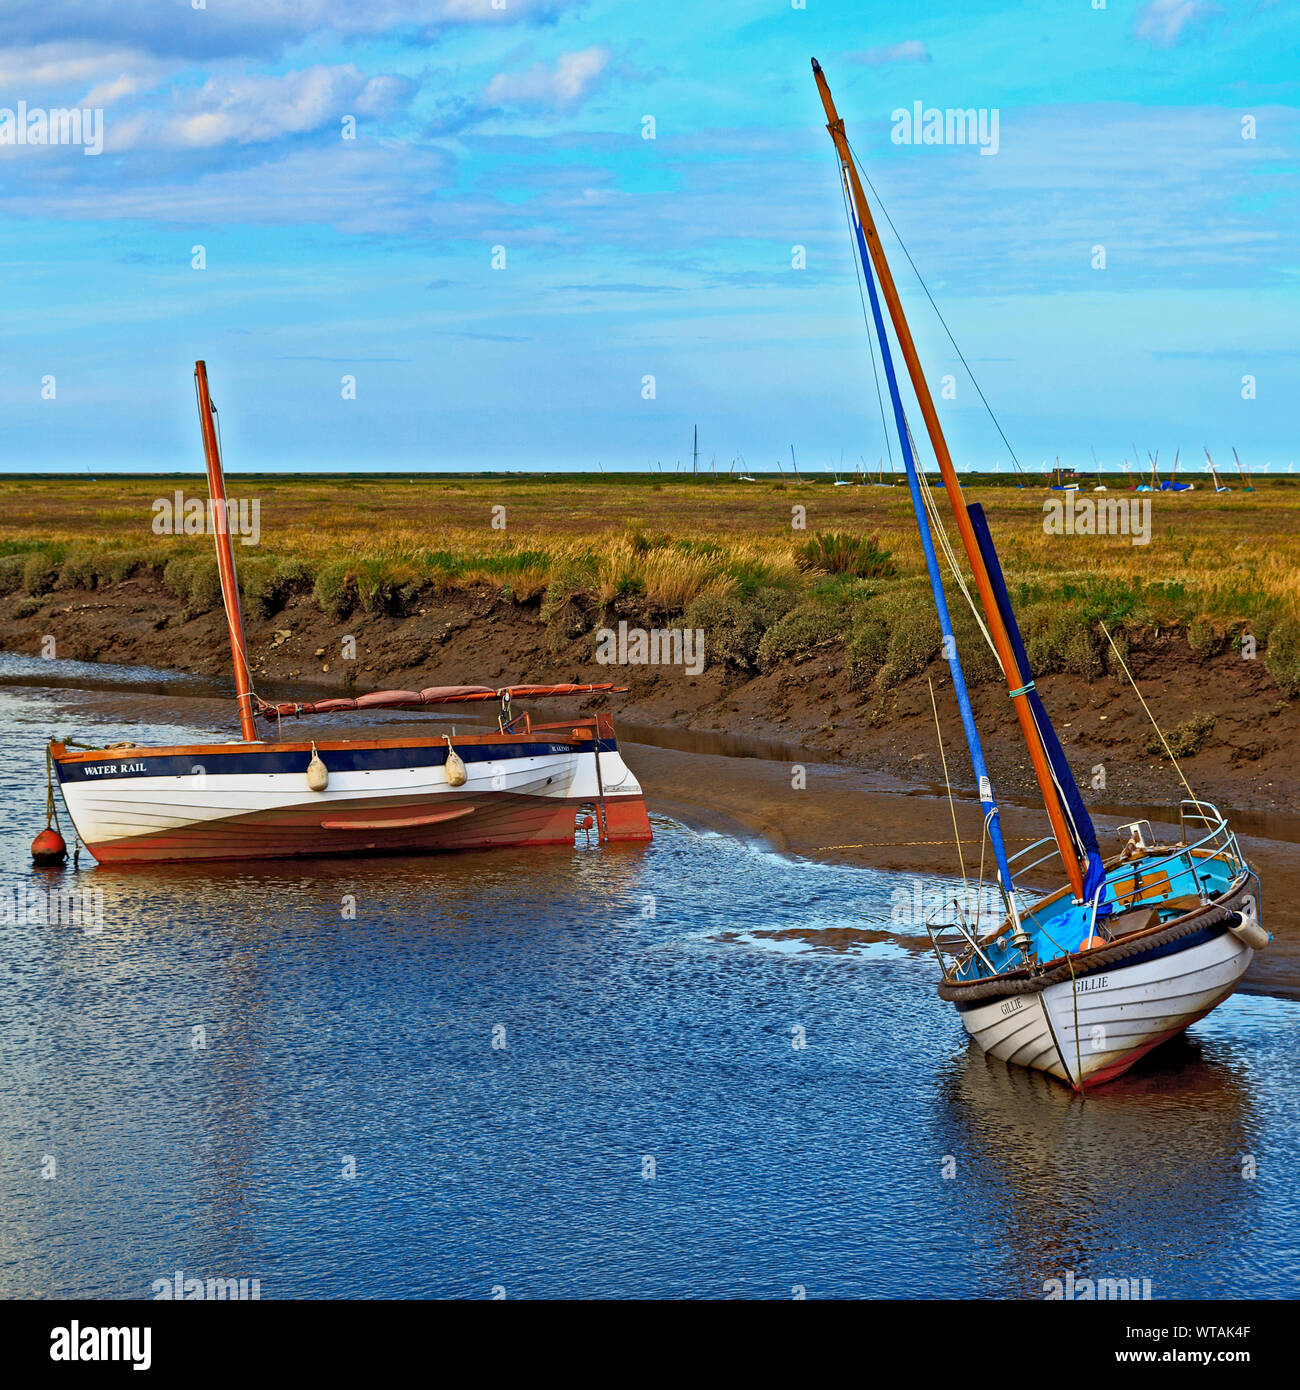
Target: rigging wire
879 203
880 401
931 505
1124 664
932 508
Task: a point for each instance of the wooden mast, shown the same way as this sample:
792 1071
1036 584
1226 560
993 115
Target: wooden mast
225 555
997 628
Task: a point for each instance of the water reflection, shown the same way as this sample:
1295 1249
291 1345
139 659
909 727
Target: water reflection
1095 1184
747 1022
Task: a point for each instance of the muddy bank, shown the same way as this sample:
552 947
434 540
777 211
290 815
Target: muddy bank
1246 728
847 816
755 758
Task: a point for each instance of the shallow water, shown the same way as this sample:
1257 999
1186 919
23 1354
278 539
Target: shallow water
646 1125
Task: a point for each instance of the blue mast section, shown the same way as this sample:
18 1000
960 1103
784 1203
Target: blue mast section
982 781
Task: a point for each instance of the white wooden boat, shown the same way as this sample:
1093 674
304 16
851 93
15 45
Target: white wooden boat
1185 928
267 796
1084 981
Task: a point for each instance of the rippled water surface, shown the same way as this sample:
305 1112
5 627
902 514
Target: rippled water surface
646 1125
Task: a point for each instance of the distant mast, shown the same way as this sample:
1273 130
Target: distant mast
695 452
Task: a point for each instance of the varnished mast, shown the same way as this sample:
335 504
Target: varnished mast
225 556
997 628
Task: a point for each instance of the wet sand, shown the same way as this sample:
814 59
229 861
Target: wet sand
847 816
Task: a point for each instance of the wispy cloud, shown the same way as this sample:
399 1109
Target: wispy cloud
909 51
1162 22
256 109
227 28
568 83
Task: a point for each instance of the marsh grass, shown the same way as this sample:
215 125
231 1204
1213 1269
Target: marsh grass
707 552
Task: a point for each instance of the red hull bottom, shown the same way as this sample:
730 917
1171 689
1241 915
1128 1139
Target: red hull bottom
1119 1067
472 822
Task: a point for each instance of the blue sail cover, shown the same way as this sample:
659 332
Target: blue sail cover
1094 873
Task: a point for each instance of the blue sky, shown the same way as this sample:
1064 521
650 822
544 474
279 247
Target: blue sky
522 127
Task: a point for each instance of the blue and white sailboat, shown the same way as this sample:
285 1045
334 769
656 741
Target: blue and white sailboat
1081 981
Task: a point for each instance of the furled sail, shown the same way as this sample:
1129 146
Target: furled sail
432 695
1081 826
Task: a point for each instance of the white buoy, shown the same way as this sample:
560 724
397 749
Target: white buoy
454 766
318 775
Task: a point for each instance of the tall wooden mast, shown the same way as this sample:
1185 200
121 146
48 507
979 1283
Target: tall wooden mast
997 628
225 555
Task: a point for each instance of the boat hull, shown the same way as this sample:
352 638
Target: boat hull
1091 1029
252 801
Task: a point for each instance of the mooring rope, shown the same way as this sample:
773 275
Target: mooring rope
904 844
952 805
1124 664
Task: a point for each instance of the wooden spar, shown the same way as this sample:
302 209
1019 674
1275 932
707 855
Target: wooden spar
997 628
1250 487
225 556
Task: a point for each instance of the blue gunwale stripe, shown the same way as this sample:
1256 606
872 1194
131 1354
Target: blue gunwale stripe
218 762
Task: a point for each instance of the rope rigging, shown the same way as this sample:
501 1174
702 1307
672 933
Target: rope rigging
871 344
961 356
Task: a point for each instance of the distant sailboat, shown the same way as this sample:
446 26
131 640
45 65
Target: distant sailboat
1219 484
1245 477
1060 485
1082 982
1171 484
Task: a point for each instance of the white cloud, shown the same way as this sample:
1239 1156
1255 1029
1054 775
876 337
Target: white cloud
1162 21
255 109
69 69
573 78
909 51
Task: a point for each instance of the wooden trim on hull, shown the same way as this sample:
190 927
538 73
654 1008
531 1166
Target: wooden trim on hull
392 823
577 733
506 819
